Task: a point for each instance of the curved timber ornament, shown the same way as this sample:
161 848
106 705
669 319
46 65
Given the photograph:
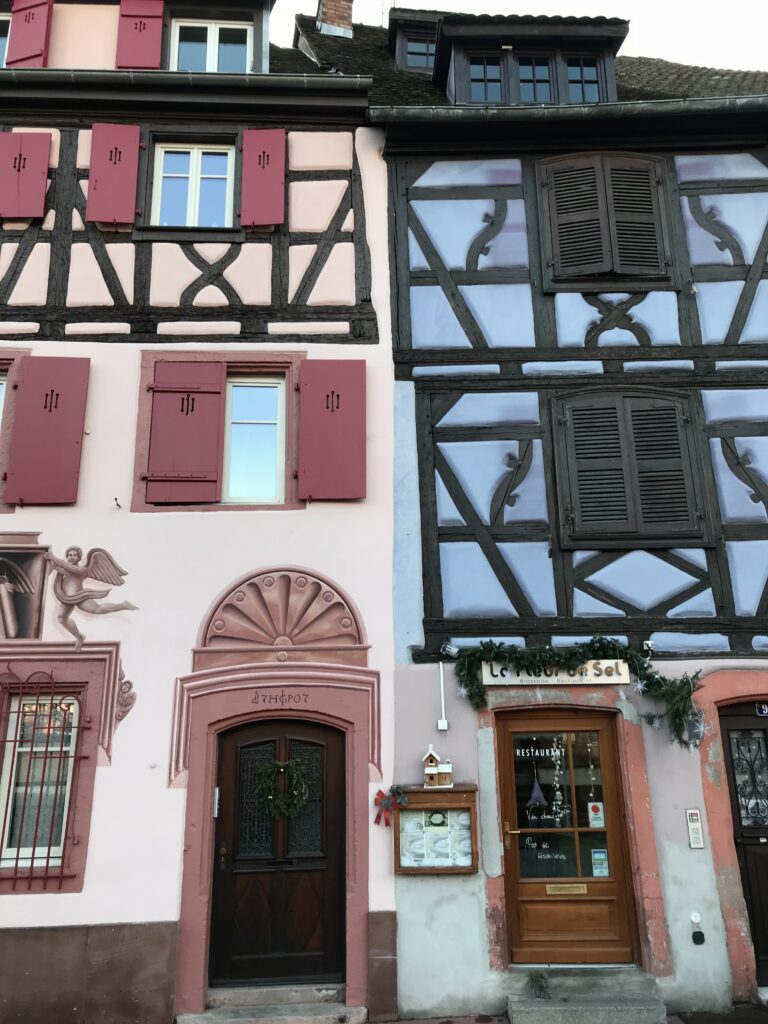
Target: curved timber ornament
280 615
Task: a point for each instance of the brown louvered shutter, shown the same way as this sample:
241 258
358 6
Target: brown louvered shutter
593 463
625 470
186 441
661 467
576 216
633 187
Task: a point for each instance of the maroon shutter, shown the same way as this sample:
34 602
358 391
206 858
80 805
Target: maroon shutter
30 34
47 434
114 173
263 201
332 429
186 441
140 34
23 173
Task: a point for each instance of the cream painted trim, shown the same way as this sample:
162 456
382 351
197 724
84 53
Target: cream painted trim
196 152
212 41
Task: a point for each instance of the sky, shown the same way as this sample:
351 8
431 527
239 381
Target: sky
729 35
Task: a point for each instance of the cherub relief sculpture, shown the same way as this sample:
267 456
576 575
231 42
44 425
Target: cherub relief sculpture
68 586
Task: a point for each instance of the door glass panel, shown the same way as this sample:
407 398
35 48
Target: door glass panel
305 830
587 779
593 848
547 855
749 752
255 827
542 781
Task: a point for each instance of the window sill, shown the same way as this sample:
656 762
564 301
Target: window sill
156 233
608 285
288 506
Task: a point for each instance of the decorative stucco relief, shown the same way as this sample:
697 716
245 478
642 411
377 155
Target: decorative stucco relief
68 589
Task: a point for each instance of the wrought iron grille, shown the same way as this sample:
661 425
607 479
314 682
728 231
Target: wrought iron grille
750 769
40 732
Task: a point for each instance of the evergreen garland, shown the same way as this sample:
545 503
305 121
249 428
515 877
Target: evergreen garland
292 801
681 711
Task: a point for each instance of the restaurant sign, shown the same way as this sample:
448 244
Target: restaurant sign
600 671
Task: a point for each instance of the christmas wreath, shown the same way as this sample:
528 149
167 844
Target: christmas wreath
683 715
295 794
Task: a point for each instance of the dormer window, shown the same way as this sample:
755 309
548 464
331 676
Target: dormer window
419 52
583 80
485 79
218 46
535 78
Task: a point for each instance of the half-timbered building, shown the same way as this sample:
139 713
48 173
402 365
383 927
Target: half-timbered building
578 250
195 652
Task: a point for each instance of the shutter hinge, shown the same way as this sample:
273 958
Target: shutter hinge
686 417
570 519
142 145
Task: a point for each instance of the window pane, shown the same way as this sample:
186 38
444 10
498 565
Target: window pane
588 778
575 93
215 164
213 203
233 50
4 25
477 92
542 781
176 163
574 71
493 92
253 462
590 71
493 71
39 799
526 92
542 70
594 855
254 402
477 68
591 92
193 44
173 203
547 855
543 93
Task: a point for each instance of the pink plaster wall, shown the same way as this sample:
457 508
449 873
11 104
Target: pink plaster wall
84 36
320 151
336 283
31 288
312 204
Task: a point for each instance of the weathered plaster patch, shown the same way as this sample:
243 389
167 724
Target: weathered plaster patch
320 151
86 283
32 285
251 274
312 204
336 283
489 801
629 711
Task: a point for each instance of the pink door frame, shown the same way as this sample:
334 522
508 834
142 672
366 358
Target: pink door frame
728 686
209 702
655 952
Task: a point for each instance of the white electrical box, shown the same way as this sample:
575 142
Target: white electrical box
695 829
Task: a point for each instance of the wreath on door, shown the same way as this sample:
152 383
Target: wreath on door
291 801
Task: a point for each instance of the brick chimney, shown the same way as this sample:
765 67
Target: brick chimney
334 17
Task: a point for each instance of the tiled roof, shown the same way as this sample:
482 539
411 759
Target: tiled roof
283 61
638 78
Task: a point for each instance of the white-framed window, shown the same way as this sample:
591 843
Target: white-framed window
223 46
193 186
39 751
5 31
254 444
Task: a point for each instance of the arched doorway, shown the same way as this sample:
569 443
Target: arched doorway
277 906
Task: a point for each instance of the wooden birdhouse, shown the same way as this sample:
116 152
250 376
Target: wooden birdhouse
437 774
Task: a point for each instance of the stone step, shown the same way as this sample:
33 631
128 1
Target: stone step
286 1013
567 983
603 1011
275 995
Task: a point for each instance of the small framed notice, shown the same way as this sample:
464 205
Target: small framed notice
436 832
596 814
695 828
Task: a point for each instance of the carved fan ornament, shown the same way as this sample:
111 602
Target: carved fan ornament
281 610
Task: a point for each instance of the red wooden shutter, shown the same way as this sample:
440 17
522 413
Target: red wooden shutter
30 34
23 173
140 34
114 173
47 435
263 200
186 441
332 429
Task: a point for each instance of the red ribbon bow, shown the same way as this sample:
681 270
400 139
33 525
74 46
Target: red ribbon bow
384 802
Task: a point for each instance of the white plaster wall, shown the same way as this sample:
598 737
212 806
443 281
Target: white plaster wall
408 593
178 562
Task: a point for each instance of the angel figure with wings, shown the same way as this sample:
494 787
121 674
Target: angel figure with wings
70 593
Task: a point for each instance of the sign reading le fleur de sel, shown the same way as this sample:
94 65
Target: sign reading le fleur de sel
496 673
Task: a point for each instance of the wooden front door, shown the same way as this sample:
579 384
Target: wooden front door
567 886
278 884
744 729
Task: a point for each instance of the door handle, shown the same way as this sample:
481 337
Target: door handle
509 832
222 858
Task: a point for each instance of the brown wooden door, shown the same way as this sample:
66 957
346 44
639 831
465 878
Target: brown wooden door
278 884
567 885
745 739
